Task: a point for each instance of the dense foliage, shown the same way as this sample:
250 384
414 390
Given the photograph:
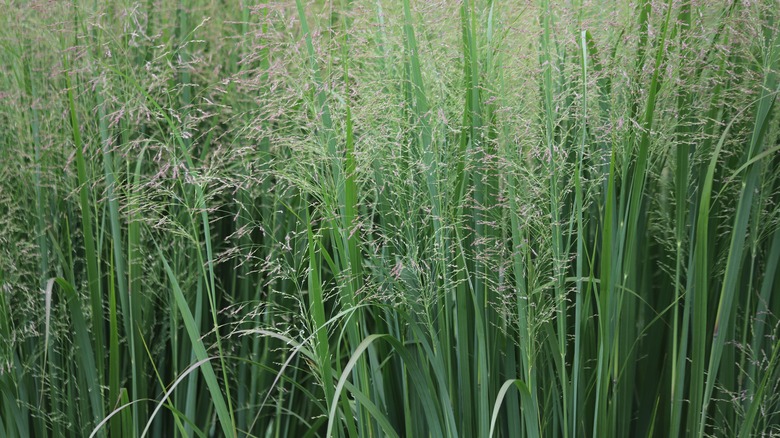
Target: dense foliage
389 218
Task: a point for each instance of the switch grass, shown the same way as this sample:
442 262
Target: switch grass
367 218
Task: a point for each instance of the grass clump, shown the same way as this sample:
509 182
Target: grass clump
377 218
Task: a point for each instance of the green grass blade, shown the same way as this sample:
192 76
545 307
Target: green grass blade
225 418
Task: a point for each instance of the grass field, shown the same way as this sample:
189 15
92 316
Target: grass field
400 218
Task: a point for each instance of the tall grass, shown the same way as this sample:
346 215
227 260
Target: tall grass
376 218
